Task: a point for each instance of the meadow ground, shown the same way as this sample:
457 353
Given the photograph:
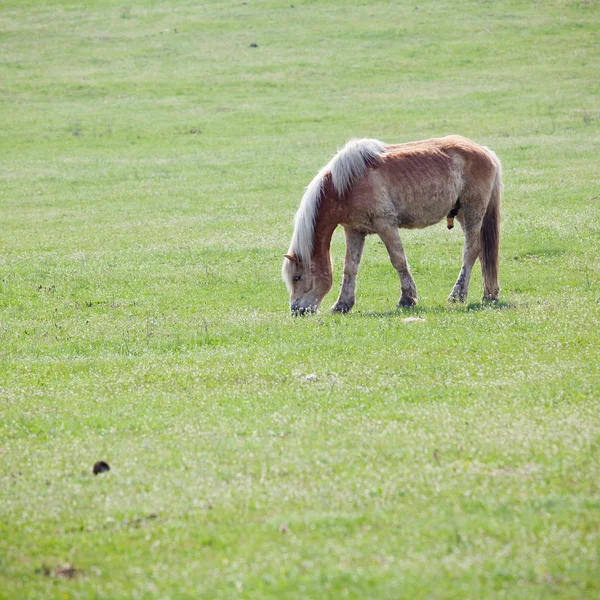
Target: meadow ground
152 162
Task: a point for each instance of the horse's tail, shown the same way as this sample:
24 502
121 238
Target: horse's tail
490 236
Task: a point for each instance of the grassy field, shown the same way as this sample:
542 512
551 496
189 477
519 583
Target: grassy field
152 157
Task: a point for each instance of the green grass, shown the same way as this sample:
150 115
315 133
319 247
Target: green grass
151 164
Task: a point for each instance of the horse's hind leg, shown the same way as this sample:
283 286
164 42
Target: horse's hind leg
355 242
471 224
391 239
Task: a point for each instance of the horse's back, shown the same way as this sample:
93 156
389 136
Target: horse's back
443 163
416 184
449 145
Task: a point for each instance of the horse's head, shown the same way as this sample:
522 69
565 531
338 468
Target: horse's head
307 285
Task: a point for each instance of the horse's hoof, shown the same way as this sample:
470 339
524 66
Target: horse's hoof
489 299
456 299
407 301
341 307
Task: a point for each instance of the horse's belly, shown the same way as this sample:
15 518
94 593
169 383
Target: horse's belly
377 200
418 198
427 210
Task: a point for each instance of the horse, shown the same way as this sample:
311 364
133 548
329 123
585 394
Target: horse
370 187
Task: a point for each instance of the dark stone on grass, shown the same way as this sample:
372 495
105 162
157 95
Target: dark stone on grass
67 572
101 467
253 45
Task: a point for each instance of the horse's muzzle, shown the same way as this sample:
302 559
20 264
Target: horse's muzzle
300 311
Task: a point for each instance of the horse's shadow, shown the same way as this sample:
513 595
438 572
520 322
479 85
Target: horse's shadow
418 311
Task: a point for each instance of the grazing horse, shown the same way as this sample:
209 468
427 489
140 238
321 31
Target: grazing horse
372 187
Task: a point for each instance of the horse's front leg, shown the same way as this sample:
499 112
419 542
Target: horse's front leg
355 242
391 238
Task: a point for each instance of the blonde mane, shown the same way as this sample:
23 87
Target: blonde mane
349 164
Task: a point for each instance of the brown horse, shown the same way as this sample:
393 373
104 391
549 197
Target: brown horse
371 187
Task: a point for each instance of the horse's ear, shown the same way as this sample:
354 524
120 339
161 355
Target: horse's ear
291 257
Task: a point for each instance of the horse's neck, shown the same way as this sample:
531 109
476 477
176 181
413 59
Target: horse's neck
325 223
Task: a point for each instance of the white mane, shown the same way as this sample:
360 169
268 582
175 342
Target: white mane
350 163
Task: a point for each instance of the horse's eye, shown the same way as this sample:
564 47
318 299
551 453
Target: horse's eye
298 278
